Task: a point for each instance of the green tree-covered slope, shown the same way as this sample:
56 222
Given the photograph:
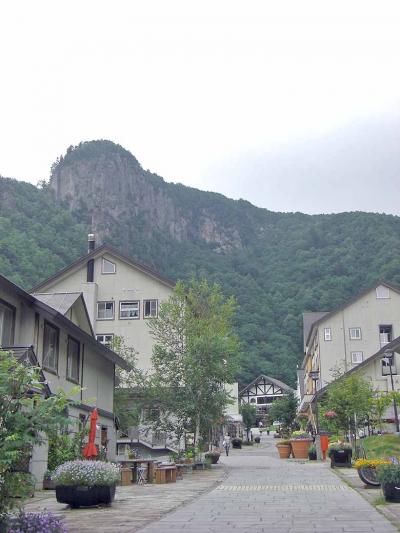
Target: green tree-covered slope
276 264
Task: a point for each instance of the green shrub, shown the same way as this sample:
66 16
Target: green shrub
389 473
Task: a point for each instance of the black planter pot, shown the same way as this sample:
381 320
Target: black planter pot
391 491
236 443
341 458
214 458
312 456
85 496
257 440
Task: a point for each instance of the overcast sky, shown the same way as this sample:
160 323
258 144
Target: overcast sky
293 105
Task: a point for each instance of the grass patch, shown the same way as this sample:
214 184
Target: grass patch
380 446
380 500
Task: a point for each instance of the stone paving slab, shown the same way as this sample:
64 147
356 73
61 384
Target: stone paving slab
134 506
263 493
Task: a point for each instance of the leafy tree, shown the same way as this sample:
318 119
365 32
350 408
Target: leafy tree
284 410
249 414
25 417
194 355
352 399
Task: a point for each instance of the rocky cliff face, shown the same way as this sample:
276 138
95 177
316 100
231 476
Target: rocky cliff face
107 185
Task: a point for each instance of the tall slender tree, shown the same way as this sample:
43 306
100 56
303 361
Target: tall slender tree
195 355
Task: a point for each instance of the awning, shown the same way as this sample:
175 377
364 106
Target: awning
305 402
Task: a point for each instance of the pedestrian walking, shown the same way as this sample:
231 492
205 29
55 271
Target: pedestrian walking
227 443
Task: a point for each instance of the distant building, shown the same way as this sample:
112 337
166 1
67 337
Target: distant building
262 392
54 332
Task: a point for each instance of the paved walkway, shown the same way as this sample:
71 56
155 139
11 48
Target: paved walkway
260 493
263 493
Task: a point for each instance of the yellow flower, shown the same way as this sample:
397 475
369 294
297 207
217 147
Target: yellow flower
371 463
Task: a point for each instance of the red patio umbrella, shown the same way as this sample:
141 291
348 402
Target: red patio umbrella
90 449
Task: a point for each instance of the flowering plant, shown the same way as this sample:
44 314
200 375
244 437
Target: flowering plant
86 473
370 463
338 447
300 435
42 522
330 414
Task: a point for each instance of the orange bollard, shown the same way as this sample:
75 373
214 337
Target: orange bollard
324 445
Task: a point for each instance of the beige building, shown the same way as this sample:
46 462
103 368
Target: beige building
348 337
120 294
55 332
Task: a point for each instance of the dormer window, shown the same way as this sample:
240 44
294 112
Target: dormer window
382 292
108 267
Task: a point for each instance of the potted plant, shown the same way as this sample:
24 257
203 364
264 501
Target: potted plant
236 442
48 483
257 440
300 442
389 477
284 448
312 453
213 457
340 454
366 469
85 483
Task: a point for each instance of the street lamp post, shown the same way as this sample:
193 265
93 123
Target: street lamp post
314 375
388 359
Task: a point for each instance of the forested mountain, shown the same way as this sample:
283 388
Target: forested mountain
276 264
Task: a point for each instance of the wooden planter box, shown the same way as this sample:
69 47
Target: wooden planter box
284 450
48 484
300 448
85 496
391 491
341 458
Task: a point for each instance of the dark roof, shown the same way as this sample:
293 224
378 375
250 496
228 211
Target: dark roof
60 301
309 318
75 330
104 248
268 379
349 302
26 356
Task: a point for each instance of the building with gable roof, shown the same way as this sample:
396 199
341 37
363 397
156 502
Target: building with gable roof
120 294
347 337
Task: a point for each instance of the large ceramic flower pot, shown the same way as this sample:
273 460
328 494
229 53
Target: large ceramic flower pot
85 496
391 491
284 450
300 448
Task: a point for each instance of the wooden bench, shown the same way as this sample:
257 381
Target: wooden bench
166 474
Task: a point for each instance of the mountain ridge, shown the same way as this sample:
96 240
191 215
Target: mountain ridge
276 264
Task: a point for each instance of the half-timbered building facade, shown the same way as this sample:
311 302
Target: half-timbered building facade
262 392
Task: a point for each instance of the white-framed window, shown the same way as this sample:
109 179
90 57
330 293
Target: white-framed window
150 308
356 357
108 267
73 360
327 334
355 334
105 310
385 334
7 319
106 339
382 292
129 310
50 347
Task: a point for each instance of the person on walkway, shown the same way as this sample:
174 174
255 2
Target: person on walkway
227 443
